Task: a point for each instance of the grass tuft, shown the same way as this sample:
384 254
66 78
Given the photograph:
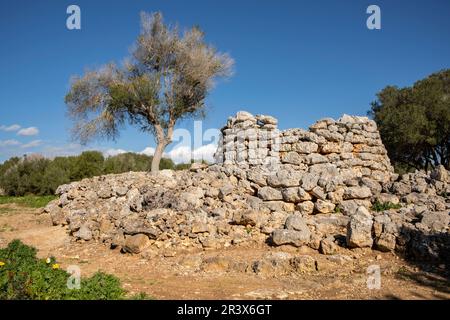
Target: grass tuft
27 201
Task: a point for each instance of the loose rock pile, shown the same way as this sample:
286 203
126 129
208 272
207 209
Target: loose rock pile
301 188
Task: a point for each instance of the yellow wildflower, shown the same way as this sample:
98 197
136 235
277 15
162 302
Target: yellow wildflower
2 263
55 266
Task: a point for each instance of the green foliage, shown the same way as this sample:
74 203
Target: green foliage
25 277
166 79
28 201
35 175
414 122
382 206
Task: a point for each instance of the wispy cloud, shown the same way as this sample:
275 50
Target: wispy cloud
31 131
13 127
9 143
32 144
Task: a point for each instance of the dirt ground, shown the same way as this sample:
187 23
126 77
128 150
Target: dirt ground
181 275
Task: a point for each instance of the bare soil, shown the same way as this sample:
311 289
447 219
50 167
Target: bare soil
180 275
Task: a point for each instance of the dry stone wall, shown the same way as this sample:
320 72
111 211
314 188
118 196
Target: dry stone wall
295 187
336 162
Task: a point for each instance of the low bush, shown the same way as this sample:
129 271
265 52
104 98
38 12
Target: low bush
25 277
382 206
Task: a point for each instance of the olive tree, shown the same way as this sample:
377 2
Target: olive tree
165 79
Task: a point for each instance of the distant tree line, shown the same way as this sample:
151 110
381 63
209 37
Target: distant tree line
41 176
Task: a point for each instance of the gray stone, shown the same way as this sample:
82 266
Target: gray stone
267 119
291 194
306 207
285 178
318 193
134 200
385 242
136 244
305 147
269 194
359 229
244 116
291 237
84 233
357 193
225 190
309 181
293 158
323 206
248 217
328 246
296 222
436 221
303 264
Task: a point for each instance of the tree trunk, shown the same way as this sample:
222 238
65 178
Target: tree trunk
157 156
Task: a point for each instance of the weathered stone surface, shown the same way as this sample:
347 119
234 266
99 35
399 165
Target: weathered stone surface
84 233
327 246
136 243
359 229
248 217
305 147
323 206
436 221
303 264
309 181
284 178
296 222
385 242
291 237
357 193
306 207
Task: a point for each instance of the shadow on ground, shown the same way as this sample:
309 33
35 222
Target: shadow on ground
428 253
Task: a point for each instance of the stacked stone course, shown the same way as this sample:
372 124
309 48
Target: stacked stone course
294 187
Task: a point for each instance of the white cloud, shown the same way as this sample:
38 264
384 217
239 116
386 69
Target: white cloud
13 127
149 151
9 143
205 152
31 131
113 152
184 154
181 154
32 144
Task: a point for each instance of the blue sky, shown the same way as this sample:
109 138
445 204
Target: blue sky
296 60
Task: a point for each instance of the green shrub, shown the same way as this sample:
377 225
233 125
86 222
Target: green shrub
382 206
40 176
25 277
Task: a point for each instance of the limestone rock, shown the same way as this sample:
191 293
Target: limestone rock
269 193
291 237
323 206
359 229
136 243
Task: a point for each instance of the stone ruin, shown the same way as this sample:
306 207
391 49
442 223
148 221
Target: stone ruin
295 187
